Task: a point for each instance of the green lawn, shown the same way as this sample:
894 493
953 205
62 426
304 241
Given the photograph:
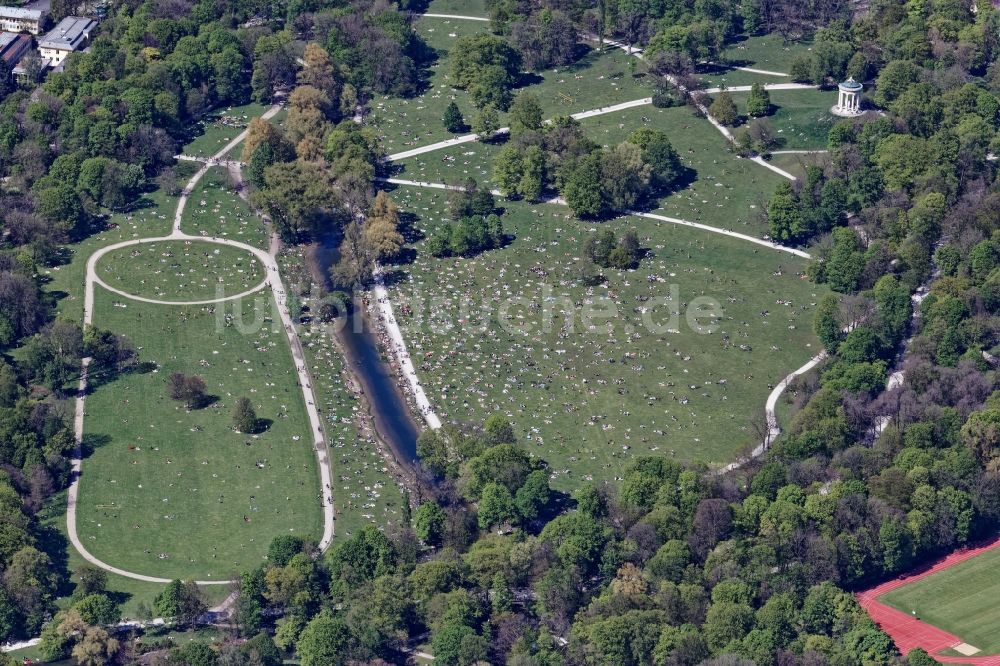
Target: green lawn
153 217
801 118
715 77
153 636
770 52
213 133
596 80
727 192
278 119
129 592
441 33
454 164
961 600
462 7
796 164
178 270
595 397
177 493
215 209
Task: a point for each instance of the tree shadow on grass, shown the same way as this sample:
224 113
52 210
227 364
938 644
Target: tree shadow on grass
93 441
408 228
204 402
404 257
261 426
394 276
528 79
54 543
686 179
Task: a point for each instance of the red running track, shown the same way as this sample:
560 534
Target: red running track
907 631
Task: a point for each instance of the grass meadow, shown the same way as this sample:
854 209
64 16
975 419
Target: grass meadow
726 191
597 79
769 52
211 134
174 492
801 118
590 395
364 490
178 270
216 209
716 76
462 7
796 164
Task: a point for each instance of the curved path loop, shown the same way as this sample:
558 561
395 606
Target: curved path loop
155 301
273 280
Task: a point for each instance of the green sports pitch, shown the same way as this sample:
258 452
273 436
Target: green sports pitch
961 600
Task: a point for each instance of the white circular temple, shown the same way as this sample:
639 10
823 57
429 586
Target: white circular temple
848 99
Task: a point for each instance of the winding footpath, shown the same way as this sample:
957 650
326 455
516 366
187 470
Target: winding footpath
384 302
273 280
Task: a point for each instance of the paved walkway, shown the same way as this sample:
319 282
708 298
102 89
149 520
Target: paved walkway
768 86
457 16
704 109
637 52
592 113
771 417
212 161
273 281
397 347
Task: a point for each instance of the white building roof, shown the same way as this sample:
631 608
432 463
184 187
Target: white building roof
68 35
19 13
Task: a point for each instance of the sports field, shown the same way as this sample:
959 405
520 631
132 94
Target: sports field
961 599
172 492
601 391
